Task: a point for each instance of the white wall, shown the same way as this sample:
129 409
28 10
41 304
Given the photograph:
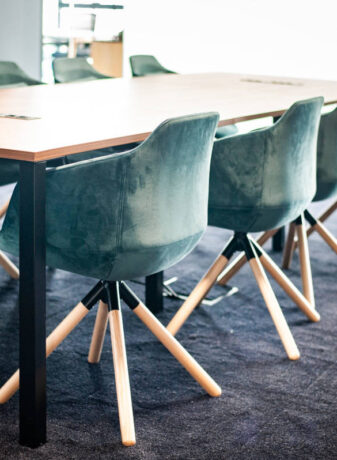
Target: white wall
287 37
20 34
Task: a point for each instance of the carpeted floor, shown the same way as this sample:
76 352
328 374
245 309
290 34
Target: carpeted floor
270 408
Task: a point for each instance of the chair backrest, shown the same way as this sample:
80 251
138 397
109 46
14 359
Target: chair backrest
267 177
327 157
11 76
67 70
130 214
145 64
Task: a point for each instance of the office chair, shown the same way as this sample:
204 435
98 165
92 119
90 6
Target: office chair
145 64
68 70
119 217
12 76
260 181
326 186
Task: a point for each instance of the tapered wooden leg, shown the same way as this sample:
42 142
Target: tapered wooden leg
289 247
287 285
4 208
122 379
324 216
308 290
274 310
177 350
321 219
98 334
326 235
197 295
53 341
240 261
8 265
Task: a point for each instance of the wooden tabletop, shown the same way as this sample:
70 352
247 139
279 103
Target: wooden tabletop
77 117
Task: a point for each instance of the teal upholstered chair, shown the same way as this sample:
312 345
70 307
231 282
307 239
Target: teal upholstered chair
12 76
67 70
260 181
9 172
326 185
145 64
123 216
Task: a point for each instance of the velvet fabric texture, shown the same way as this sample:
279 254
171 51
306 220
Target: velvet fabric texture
130 214
224 131
12 76
145 64
327 157
266 178
67 70
9 171
98 153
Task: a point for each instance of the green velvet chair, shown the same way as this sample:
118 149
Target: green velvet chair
326 186
145 64
120 217
12 76
68 70
260 181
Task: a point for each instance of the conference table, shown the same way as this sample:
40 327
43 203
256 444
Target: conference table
40 123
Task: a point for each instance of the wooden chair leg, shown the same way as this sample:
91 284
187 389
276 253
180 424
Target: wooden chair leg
177 350
287 285
328 212
274 309
4 208
308 290
240 261
98 334
326 235
8 265
53 341
122 379
321 219
170 342
289 247
197 295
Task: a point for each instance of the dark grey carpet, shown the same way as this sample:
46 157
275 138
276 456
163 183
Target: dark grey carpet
270 407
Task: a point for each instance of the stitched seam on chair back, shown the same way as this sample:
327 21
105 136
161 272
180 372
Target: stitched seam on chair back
120 214
258 210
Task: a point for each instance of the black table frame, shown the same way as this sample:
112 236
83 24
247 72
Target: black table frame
32 304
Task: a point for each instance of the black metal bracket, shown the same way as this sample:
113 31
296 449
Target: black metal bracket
107 291
310 218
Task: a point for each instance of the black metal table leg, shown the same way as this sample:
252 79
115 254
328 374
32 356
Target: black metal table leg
278 240
154 292
32 305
